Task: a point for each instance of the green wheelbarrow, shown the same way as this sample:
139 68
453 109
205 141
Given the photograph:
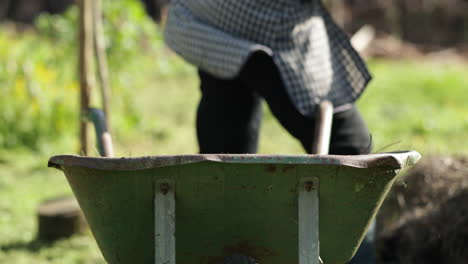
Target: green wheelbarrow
201 209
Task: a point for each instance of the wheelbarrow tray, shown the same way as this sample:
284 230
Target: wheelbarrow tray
228 204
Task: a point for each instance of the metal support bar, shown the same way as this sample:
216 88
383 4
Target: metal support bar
309 221
164 218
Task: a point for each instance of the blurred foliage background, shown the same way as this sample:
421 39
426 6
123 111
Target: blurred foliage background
38 73
428 22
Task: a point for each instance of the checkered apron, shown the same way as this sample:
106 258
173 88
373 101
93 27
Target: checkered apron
314 56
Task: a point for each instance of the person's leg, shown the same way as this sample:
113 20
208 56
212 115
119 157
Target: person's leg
367 252
228 116
261 74
350 135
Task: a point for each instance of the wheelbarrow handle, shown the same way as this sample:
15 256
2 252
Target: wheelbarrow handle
323 128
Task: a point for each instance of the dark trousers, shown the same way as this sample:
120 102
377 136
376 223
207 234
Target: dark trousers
229 114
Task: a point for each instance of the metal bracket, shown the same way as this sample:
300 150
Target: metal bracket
164 220
309 221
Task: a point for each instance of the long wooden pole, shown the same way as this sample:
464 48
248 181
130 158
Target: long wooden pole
101 58
86 54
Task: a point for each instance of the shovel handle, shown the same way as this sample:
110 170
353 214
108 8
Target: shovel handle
103 137
324 119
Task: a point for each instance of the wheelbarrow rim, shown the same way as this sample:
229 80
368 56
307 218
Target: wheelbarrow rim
390 160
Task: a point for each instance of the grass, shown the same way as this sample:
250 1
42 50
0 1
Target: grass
409 105
418 105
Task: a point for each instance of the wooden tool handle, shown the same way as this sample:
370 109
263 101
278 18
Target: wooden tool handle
324 119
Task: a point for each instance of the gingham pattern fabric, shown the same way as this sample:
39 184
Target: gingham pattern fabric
314 56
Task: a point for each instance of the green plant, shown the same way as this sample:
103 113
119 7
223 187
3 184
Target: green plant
38 74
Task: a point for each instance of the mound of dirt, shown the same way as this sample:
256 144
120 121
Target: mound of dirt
425 218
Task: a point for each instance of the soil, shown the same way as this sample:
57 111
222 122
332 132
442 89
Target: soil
425 217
